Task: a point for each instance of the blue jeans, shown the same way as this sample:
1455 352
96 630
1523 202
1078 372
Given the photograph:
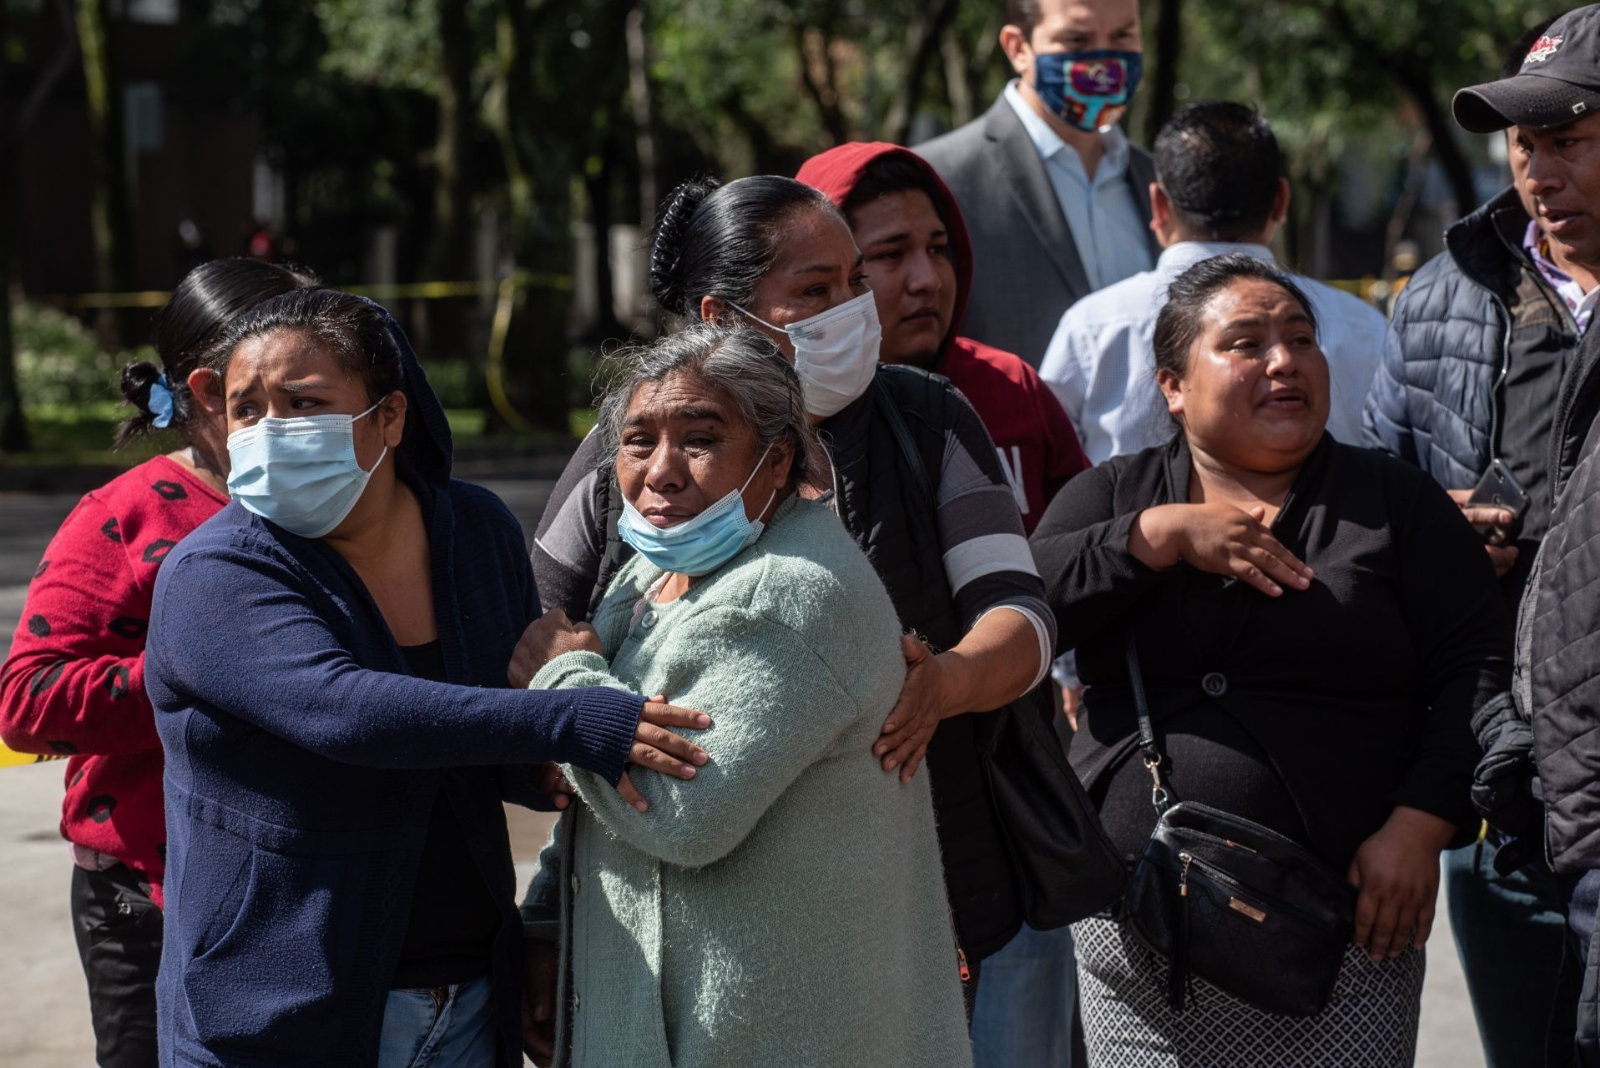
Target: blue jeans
1026 999
1510 932
1583 893
450 1027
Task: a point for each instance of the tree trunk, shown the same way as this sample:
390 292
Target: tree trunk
1416 78
1410 194
450 255
109 215
540 218
598 186
957 80
1414 74
770 156
641 100
1163 87
14 124
817 73
13 427
924 38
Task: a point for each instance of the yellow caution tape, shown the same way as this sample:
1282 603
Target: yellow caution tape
494 373
155 298
148 298
505 291
12 759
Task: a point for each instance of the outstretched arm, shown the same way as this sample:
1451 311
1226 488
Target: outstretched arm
268 658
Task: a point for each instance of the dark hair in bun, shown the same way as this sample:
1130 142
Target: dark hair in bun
206 301
720 240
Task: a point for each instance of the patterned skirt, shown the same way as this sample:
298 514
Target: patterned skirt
1371 1021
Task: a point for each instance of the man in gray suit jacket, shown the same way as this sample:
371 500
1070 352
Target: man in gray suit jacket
1057 205
1056 200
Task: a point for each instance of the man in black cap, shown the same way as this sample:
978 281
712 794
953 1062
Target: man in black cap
1471 377
1552 106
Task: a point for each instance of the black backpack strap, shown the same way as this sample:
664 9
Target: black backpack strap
907 444
614 551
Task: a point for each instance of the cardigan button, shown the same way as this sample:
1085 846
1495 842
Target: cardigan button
577 1002
574 884
649 620
1215 684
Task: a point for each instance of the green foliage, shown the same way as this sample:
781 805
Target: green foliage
1330 74
60 364
457 382
346 94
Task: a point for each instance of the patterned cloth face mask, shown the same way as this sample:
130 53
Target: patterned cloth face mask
301 473
1088 90
700 545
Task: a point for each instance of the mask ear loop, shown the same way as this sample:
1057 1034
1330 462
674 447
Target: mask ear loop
755 318
353 420
753 471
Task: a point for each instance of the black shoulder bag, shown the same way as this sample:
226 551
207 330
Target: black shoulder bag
1234 902
1066 868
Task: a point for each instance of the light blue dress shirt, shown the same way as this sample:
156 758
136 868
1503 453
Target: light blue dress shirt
1110 231
1102 365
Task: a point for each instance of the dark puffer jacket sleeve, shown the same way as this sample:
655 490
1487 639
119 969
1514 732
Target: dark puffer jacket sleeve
1457 621
1431 402
1385 422
1559 648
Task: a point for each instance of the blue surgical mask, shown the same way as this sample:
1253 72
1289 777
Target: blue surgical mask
700 545
301 474
1089 90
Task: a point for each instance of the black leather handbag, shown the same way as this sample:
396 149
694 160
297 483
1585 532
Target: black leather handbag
1233 902
1065 866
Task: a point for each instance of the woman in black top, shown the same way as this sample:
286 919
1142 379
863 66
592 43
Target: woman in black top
1317 625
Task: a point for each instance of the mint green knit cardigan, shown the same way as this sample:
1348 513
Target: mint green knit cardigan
786 906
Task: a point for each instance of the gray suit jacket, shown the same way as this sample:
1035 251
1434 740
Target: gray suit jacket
1026 267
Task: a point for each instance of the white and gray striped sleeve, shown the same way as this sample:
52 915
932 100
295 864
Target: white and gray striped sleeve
986 556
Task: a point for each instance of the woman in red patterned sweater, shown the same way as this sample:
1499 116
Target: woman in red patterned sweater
73 683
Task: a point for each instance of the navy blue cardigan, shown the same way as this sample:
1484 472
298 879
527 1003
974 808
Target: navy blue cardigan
303 762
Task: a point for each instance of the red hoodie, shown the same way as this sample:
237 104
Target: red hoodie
1037 443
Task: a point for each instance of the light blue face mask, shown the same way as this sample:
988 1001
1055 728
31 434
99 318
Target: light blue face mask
301 474
700 545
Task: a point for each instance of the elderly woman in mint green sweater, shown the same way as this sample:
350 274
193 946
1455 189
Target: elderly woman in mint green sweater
786 904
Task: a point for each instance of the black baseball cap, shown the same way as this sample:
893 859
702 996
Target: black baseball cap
1559 81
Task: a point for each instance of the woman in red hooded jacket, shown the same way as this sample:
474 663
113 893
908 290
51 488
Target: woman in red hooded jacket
919 265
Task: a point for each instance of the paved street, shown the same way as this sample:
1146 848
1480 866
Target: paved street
44 1016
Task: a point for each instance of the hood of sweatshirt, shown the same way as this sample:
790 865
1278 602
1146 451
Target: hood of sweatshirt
838 171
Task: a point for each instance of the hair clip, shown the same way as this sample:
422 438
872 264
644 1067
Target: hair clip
160 403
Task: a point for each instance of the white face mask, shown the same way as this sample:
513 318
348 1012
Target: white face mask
835 353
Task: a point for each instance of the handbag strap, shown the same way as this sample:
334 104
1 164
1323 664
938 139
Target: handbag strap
1149 751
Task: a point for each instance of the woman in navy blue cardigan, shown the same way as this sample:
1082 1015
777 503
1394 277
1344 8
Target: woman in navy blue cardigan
327 659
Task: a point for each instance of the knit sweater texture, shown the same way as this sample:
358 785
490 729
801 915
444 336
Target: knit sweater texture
786 906
73 682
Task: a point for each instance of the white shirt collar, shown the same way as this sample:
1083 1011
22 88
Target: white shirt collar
1175 259
1047 142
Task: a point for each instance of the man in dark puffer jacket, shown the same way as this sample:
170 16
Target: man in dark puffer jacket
1559 622
1476 351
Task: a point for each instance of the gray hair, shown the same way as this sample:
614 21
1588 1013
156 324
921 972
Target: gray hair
743 365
